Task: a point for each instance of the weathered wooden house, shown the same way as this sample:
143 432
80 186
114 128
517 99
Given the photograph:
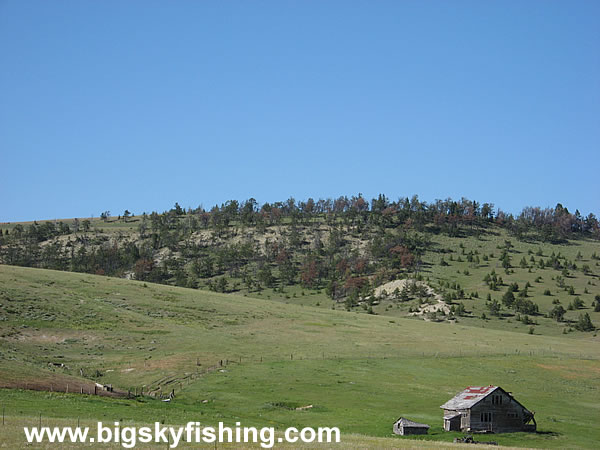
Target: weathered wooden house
404 427
487 408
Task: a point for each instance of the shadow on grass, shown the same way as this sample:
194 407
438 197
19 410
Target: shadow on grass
548 433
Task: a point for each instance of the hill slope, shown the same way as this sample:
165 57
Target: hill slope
359 371
339 262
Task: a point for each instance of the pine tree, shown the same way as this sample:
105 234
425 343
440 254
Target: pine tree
584 323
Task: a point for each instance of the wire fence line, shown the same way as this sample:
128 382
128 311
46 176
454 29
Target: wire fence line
169 386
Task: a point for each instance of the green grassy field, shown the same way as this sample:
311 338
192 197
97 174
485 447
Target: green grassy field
360 372
12 431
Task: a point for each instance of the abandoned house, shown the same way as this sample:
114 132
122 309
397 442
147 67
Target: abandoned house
488 408
404 427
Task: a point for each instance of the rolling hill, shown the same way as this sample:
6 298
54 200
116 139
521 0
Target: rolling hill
235 358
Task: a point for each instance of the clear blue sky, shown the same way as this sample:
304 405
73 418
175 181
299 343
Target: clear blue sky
108 105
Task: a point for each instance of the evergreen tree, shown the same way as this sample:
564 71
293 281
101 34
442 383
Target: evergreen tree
584 323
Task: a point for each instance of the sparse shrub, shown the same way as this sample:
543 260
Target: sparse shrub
584 323
508 299
557 313
523 263
578 303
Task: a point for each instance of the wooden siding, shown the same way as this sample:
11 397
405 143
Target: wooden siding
498 412
404 431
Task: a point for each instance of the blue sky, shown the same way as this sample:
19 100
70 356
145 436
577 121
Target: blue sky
112 105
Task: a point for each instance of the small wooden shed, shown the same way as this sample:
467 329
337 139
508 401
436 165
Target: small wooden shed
405 427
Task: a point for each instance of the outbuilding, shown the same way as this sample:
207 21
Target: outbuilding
405 427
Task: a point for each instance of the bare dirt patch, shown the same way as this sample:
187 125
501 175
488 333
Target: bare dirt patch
59 383
424 309
51 336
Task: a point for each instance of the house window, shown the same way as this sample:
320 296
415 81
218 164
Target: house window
486 417
496 399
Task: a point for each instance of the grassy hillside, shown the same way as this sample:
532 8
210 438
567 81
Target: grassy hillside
359 371
336 263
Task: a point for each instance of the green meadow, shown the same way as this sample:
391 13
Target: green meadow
357 371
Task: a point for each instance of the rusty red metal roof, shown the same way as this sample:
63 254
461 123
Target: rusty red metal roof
469 397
